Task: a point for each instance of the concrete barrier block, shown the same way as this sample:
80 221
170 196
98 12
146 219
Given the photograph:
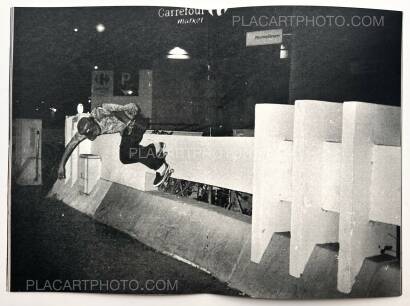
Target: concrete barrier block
385 189
218 241
207 236
193 158
88 203
302 172
272 168
330 179
315 122
132 175
364 125
59 189
225 162
75 198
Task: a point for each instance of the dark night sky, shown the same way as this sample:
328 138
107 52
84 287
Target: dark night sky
53 63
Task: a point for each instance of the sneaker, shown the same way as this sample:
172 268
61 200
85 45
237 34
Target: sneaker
161 152
159 179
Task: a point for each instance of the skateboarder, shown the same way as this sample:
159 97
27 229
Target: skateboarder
128 121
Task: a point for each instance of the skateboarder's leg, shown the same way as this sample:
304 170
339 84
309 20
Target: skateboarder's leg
152 156
147 156
131 153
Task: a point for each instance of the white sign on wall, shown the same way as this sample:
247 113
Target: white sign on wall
267 37
102 83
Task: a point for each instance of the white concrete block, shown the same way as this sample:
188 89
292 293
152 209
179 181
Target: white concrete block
85 203
225 162
330 179
272 168
132 175
315 122
219 161
385 190
364 125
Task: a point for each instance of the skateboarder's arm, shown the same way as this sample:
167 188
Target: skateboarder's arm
74 142
131 110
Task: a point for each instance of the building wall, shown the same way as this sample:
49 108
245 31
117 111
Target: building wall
347 63
182 93
143 100
327 63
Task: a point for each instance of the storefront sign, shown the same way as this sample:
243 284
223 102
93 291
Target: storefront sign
268 37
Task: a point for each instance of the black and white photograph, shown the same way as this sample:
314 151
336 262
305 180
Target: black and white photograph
250 152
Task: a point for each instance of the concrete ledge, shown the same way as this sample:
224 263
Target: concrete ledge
73 196
204 235
219 242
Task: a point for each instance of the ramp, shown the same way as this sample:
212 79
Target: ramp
204 235
219 242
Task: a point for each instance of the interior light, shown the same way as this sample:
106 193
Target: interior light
284 52
80 108
178 53
100 27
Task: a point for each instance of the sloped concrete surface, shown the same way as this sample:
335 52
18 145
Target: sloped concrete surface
319 279
202 235
52 241
269 278
379 277
219 241
84 203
